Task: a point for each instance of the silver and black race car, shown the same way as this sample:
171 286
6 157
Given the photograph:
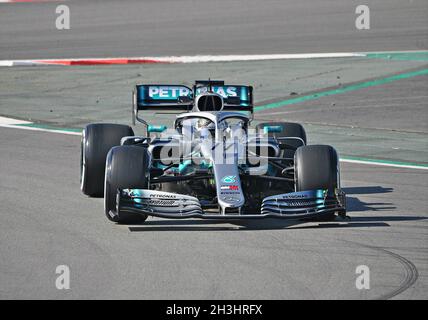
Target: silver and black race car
211 164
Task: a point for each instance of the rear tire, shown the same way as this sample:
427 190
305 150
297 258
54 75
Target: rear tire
316 167
97 140
289 129
126 167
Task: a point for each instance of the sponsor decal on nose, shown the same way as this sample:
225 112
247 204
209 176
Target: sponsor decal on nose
228 179
229 187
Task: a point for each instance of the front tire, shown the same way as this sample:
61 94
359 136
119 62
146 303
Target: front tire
317 167
127 167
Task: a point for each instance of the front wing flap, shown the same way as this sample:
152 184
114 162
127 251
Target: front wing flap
306 203
158 202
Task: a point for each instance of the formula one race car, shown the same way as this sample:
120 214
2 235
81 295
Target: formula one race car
211 164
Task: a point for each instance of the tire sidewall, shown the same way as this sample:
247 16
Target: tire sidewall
97 140
125 167
316 167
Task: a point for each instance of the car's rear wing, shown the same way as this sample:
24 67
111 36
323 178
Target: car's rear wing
160 97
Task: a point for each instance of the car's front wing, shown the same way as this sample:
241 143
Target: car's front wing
294 205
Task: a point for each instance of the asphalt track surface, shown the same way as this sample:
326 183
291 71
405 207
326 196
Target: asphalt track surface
45 221
188 27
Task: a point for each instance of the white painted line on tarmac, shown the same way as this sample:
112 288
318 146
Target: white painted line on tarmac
385 164
28 1
20 63
5 120
40 129
254 57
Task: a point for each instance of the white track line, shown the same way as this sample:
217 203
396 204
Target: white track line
384 164
40 129
5 120
13 63
28 1
227 58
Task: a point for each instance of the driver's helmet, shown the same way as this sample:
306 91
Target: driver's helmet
206 127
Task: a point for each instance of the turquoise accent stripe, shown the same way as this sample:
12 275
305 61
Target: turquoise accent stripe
401 56
159 129
343 89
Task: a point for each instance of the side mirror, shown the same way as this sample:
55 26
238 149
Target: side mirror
157 129
272 129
